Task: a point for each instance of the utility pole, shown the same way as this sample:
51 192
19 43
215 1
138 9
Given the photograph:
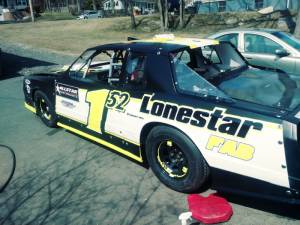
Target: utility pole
166 5
181 13
31 10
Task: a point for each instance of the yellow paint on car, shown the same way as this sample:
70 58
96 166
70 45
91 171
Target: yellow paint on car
102 142
97 100
171 39
30 108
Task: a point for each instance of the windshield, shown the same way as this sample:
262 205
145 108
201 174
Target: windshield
289 39
80 66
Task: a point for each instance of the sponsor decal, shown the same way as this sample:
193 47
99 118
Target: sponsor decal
67 91
28 88
27 81
68 104
230 147
215 120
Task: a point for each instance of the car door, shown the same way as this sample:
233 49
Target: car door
261 51
123 117
81 94
71 90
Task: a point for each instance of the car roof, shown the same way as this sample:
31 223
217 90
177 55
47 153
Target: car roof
160 43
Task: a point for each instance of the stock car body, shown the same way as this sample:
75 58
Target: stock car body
192 109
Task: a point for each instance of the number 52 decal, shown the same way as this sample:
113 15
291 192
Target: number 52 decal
117 100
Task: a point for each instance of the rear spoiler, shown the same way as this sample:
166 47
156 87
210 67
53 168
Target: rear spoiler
132 39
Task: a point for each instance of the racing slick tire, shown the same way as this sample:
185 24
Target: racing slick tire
44 109
176 160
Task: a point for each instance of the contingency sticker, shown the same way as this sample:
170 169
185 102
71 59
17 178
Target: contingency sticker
67 91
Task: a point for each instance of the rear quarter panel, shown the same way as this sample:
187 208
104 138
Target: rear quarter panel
260 154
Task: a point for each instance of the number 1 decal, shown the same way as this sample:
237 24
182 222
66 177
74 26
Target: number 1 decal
97 101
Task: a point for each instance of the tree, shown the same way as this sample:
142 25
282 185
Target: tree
78 5
31 10
297 29
112 5
94 5
133 23
161 14
181 13
166 15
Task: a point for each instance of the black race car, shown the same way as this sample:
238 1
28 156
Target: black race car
192 109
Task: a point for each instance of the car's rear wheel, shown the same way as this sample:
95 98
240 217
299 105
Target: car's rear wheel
1 68
176 160
44 109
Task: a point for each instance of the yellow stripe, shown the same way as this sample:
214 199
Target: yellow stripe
191 42
30 108
102 142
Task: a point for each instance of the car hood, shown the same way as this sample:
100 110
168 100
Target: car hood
269 88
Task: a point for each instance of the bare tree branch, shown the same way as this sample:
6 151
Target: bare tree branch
297 29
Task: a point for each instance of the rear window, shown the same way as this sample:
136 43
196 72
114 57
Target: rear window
188 81
289 39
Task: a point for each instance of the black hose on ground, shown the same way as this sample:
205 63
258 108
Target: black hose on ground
13 166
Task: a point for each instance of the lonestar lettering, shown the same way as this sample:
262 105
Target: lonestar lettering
67 91
215 120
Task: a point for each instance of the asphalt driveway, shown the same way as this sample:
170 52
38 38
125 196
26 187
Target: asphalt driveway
61 178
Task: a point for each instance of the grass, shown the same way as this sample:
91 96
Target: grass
70 36
74 36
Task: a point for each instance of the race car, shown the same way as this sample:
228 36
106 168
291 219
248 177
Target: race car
191 109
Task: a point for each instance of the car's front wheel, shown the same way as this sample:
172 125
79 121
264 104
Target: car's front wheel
44 109
176 160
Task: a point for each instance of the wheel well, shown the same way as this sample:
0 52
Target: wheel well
32 95
144 133
143 136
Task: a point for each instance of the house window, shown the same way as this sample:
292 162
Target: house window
259 4
222 6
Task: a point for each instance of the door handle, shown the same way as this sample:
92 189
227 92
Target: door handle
248 57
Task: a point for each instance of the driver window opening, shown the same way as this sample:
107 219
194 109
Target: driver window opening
135 75
104 67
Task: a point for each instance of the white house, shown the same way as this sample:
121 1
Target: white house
13 4
206 6
118 4
143 5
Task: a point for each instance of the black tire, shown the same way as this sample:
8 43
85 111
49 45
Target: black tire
44 109
188 172
1 68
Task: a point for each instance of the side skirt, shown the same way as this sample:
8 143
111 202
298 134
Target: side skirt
229 182
115 143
